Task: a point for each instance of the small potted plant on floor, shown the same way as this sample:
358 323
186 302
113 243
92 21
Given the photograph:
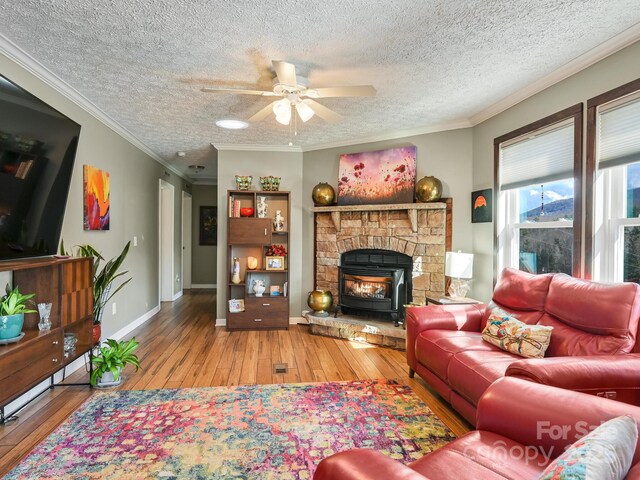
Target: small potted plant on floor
111 359
13 306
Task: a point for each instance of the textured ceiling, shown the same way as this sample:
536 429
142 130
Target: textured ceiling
433 62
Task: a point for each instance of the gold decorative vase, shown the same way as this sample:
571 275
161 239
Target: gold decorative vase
428 189
320 301
323 194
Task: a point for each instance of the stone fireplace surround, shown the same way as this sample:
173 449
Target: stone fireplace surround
420 230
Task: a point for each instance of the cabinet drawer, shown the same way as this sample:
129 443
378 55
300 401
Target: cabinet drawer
267 305
26 366
250 231
257 320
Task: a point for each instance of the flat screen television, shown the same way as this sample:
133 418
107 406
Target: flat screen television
37 152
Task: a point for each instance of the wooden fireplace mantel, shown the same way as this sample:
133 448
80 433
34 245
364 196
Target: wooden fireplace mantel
410 208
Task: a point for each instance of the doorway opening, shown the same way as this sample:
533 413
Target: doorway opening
165 250
187 217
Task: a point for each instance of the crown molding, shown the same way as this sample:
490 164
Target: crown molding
257 148
442 127
42 73
205 182
611 46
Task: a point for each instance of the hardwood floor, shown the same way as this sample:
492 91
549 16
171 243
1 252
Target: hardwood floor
180 347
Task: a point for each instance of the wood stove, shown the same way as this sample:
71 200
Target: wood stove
375 281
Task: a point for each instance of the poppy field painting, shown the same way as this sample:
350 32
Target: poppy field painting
97 200
378 177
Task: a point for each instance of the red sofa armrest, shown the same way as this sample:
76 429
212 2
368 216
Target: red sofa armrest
363 464
616 376
440 317
544 417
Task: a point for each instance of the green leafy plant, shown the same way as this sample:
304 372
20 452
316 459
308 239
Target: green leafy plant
103 278
13 302
112 357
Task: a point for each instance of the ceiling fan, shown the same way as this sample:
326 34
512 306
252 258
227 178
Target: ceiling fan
296 95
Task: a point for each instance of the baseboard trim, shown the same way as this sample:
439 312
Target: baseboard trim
204 285
221 322
178 295
120 334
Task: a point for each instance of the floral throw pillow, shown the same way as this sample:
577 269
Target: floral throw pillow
512 335
604 454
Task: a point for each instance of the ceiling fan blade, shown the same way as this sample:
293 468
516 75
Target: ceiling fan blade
262 114
323 112
286 72
353 91
237 90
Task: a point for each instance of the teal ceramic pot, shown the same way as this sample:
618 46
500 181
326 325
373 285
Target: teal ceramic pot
11 326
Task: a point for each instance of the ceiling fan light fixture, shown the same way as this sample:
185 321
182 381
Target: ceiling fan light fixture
305 111
231 124
282 110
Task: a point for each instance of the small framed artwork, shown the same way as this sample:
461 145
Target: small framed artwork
236 305
208 225
97 198
482 206
275 263
274 290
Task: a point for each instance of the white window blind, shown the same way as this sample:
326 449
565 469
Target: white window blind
543 158
619 135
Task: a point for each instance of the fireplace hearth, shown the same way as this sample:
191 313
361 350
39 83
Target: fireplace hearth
375 281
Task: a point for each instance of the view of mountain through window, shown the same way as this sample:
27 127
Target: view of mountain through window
543 249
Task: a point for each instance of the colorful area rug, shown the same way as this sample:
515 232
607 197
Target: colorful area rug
254 431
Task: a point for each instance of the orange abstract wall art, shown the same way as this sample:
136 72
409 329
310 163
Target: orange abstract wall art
97 199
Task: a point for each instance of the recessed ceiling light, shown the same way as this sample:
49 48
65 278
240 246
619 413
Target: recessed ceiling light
232 124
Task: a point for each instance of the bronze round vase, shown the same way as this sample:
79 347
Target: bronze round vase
428 189
320 301
323 195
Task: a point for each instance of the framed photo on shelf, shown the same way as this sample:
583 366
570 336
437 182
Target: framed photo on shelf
236 305
275 263
274 290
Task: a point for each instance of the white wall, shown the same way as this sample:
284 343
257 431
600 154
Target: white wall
134 201
445 155
613 71
285 164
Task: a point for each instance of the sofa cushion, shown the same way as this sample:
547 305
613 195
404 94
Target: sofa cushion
519 290
596 308
481 455
606 452
568 341
510 334
471 372
435 348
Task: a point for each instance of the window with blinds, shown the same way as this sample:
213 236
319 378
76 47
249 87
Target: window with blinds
619 133
543 157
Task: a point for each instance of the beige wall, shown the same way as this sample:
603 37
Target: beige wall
134 201
613 71
287 165
204 259
446 155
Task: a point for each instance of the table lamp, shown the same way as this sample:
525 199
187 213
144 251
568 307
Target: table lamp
459 267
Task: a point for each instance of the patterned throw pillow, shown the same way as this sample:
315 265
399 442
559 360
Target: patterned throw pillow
517 337
604 454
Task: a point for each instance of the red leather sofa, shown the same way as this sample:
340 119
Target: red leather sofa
518 433
591 349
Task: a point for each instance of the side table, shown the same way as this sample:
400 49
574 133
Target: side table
451 300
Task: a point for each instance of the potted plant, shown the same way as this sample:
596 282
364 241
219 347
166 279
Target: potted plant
13 306
103 280
111 359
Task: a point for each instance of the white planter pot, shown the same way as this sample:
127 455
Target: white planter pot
107 380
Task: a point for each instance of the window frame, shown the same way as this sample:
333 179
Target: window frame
590 174
575 112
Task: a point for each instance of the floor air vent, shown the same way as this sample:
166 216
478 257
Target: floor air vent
280 368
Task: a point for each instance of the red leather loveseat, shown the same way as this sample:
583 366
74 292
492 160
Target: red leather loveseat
591 349
518 424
